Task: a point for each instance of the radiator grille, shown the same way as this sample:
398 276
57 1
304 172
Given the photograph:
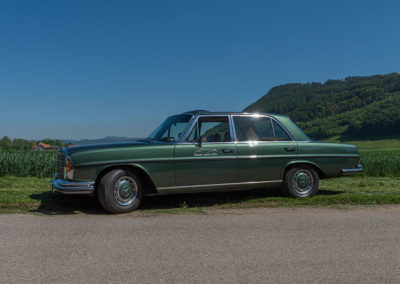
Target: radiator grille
61 164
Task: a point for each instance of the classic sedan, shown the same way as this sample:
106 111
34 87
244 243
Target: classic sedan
204 151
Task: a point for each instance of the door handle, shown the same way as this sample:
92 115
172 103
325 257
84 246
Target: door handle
229 150
290 149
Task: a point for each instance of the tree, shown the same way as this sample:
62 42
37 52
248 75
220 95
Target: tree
18 144
58 143
355 107
6 143
48 141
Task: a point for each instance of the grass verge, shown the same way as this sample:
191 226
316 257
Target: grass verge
32 194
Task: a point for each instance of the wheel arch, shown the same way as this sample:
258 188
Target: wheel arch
293 164
146 180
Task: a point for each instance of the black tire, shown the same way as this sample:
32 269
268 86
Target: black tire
120 191
300 182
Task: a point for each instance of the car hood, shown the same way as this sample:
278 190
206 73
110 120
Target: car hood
74 149
118 152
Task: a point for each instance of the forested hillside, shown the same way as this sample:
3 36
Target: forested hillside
356 107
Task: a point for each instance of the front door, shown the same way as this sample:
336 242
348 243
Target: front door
208 156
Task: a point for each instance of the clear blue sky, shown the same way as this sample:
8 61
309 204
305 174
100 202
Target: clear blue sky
89 69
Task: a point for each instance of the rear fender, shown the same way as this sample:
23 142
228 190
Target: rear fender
292 164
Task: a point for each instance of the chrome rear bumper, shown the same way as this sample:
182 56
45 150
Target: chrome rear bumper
359 169
72 187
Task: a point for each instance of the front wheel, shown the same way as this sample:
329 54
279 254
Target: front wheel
301 181
120 191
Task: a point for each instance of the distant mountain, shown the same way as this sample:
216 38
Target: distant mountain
355 107
108 139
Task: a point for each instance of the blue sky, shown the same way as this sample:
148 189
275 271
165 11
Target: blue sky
89 69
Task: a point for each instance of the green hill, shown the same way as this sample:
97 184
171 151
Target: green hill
356 107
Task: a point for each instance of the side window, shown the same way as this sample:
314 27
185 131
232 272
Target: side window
250 128
212 129
280 134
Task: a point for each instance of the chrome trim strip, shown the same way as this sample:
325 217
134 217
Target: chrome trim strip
261 141
194 159
273 129
328 156
238 142
232 128
192 143
219 184
72 187
158 161
217 158
357 170
267 157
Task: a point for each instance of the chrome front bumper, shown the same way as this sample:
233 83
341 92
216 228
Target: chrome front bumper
72 187
357 170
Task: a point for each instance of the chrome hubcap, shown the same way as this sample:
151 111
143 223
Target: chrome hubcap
125 191
303 182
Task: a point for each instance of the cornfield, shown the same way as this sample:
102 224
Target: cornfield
28 163
43 164
381 163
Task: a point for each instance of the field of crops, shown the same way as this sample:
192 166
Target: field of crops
381 163
28 163
42 164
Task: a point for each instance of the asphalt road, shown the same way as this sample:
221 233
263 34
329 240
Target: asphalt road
241 246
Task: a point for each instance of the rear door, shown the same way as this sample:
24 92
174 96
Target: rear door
264 148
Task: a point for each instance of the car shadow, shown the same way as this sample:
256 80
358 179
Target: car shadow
329 192
59 204
209 199
55 203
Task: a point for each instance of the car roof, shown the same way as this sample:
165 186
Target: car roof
202 112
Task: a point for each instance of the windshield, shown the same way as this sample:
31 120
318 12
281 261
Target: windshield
171 130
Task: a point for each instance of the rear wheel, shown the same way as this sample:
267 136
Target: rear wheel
120 191
301 181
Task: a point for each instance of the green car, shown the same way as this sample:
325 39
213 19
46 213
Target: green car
204 151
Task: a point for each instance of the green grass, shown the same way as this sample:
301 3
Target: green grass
32 194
